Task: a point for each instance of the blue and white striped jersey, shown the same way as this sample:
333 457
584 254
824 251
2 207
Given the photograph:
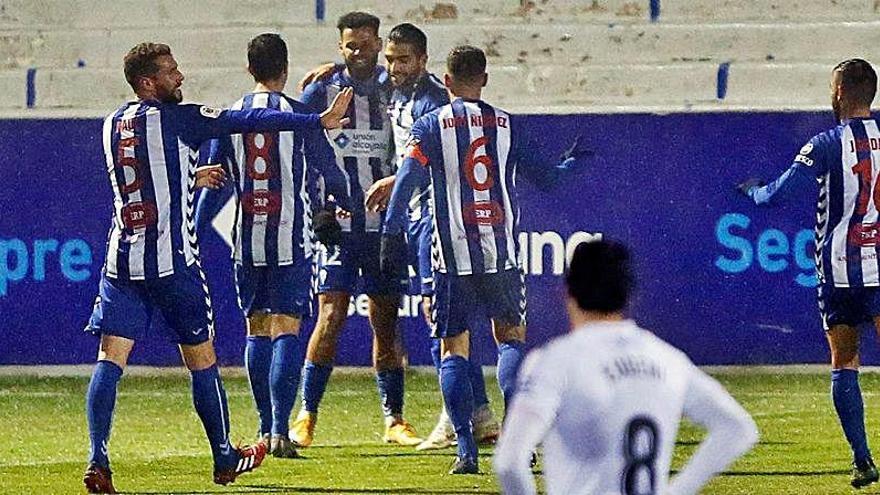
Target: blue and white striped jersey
270 170
474 157
845 162
407 106
151 153
364 147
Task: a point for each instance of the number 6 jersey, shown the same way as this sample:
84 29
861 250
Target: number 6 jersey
605 401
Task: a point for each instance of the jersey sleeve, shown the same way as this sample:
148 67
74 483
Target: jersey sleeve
532 413
314 97
321 158
730 432
198 123
808 164
211 201
411 175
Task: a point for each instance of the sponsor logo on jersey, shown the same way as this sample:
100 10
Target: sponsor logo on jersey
140 215
210 112
483 213
361 143
261 202
864 234
803 159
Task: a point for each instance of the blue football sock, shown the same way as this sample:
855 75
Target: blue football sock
459 397
315 378
209 398
100 402
284 380
390 385
850 409
510 356
478 383
257 359
435 354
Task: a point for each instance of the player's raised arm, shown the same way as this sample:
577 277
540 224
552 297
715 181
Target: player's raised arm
544 173
216 122
318 73
801 175
731 432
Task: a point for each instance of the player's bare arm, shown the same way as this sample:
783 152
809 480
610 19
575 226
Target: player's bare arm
379 194
319 73
210 176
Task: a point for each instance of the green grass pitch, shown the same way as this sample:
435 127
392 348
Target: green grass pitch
158 444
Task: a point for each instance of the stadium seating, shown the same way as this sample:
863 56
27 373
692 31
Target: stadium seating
545 55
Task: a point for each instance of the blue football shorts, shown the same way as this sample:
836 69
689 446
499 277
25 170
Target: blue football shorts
285 290
178 304
848 305
461 300
353 267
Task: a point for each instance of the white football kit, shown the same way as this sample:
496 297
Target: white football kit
605 401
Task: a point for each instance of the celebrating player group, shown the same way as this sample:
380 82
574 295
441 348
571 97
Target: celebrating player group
430 189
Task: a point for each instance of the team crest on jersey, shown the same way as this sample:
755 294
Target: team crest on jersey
806 149
210 112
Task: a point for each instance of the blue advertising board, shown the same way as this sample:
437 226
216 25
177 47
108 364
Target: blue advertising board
726 281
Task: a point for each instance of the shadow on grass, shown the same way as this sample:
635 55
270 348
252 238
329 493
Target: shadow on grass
746 474
413 490
786 473
314 489
694 443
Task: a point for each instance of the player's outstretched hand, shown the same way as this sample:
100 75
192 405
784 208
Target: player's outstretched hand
334 116
746 187
392 254
317 74
210 176
327 228
578 150
379 193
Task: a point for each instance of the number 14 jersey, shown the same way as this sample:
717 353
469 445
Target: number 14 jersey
845 163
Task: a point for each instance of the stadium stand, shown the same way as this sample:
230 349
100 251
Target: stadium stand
548 55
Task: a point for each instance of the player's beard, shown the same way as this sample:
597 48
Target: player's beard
404 81
173 96
363 68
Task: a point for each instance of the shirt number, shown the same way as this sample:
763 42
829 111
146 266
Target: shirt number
640 452
478 169
258 155
863 169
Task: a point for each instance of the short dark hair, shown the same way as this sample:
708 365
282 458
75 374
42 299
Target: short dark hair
858 80
267 56
410 35
466 63
140 61
599 277
357 20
